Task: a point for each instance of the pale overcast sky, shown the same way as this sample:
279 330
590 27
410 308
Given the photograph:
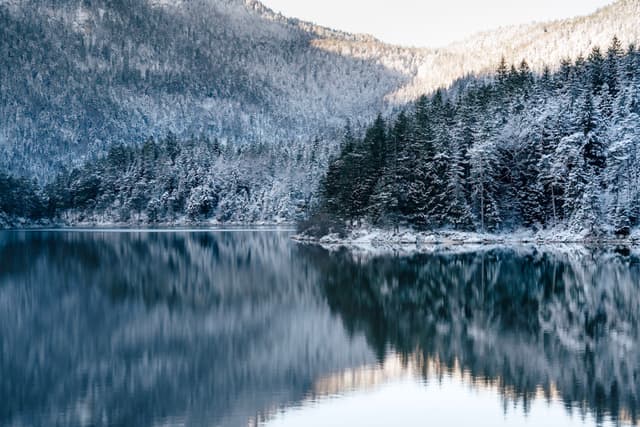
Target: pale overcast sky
429 22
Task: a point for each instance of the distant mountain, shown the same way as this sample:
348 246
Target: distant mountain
541 44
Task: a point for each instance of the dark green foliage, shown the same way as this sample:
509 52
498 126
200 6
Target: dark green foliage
322 224
21 198
149 183
172 181
518 150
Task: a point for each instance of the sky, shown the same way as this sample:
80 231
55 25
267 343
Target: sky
429 23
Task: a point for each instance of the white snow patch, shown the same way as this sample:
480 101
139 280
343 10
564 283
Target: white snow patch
408 241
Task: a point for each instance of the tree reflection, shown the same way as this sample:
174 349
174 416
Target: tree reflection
219 328
526 319
138 329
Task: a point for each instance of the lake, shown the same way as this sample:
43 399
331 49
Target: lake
247 328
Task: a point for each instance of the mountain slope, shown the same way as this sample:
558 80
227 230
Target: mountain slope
96 72
101 72
541 44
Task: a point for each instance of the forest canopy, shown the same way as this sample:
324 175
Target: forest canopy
518 150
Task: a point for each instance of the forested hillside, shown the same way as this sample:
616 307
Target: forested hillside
172 181
96 73
556 150
197 180
81 78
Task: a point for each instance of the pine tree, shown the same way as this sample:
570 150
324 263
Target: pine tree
337 185
438 165
415 165
549 183
388 195
614 53
593 150
595 63
485 204
530 197
458 212
502 71
376 140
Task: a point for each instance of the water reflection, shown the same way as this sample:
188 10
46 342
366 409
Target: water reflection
230 329
562 322
160 329
400 392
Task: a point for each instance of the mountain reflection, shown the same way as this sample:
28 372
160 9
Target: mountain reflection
524 320
142 329
228 328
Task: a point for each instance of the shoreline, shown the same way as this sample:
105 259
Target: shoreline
196 226
424 241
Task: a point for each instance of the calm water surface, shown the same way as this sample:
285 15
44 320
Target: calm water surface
246 328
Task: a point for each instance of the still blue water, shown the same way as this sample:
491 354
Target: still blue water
247 328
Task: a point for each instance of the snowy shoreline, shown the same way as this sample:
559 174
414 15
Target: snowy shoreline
22 224
407 240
